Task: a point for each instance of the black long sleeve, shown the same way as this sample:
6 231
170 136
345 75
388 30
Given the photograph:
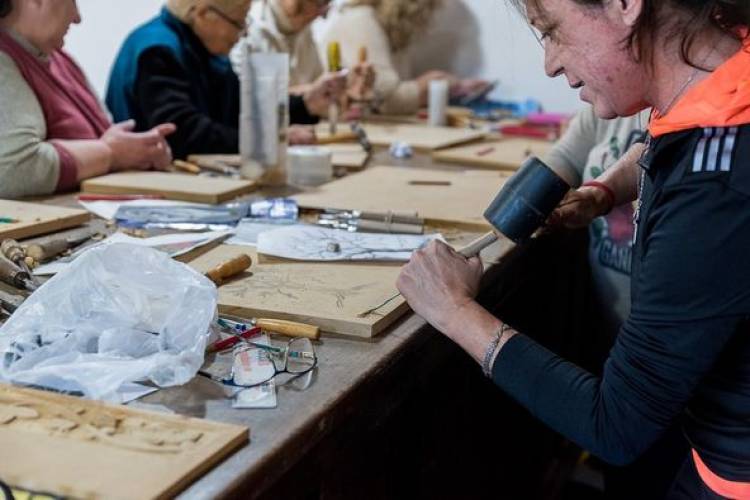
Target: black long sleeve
205 125
207 120
684 353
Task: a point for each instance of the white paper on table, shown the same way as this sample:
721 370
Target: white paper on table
315 243
172 244
247 231
108 209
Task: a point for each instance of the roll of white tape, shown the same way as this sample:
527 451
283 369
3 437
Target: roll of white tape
439 90
309 165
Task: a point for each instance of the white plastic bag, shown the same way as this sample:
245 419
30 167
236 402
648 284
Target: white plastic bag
120 313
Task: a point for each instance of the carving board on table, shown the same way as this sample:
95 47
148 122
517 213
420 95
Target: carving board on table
504 154
86 449
442 197
345 155
419 137
328 295
172 186
35 219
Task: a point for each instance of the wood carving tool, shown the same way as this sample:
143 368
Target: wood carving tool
362 138
334 66
190 168
371 222
517 212
17 255
229 269
273 326
15 276
337 138
228 343
43 252
216 166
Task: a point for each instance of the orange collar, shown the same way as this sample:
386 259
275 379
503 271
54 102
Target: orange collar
721 100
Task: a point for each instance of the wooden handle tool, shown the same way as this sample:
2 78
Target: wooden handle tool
16 254
289 328
13 251
184 166
362 55
229 269
14 275
47 251
475 247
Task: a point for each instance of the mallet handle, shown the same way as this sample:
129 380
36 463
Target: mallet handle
476 246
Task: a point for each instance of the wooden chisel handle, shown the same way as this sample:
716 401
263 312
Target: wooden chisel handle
476 246
45 251
229 269
190 168
337 138
289 328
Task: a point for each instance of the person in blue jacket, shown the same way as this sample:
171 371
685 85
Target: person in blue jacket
175 68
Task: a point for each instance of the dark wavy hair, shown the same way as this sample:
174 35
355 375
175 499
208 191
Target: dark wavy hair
5 7
728 16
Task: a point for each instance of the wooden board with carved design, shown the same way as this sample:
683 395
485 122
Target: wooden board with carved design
79 448
329 295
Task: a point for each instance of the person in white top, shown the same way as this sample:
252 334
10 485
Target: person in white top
387 29
284 26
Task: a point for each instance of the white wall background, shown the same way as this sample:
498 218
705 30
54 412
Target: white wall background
482 38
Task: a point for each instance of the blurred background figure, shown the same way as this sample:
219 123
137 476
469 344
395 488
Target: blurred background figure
387 29
285 26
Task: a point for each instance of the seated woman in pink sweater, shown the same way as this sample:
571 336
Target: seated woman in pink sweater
54 132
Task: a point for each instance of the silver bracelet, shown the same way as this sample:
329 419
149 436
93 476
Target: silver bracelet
491 348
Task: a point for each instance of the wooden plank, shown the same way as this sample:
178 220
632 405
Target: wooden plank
36 219
86 449
505 154
349 156
171 186
345 155
442 197
329 295
419 137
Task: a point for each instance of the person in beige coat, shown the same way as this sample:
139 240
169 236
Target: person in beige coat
285 26
387 29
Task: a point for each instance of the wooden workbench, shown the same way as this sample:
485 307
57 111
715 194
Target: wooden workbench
404 415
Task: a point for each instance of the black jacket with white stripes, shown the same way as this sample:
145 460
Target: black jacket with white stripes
683 356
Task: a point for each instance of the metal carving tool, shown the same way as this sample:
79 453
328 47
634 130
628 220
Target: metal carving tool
519 210
14 252
14 275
